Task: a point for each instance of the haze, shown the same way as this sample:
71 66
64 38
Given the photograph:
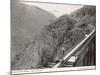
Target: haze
56 9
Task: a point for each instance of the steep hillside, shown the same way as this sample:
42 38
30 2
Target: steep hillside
65 32
26 22
87 14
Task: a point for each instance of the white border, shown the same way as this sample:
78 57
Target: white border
5 37
32 71
84 2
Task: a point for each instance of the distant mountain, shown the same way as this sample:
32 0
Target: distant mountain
86 14
26 22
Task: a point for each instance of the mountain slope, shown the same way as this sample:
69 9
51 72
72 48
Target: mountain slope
26 22
86 14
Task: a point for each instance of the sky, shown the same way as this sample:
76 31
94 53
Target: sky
56 9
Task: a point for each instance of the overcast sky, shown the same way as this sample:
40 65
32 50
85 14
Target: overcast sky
56 9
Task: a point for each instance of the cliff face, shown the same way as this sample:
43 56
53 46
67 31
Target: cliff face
65 32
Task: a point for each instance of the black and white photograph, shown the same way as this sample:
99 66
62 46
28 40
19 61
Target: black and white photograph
51 37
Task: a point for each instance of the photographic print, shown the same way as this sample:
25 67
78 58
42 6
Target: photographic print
51 37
